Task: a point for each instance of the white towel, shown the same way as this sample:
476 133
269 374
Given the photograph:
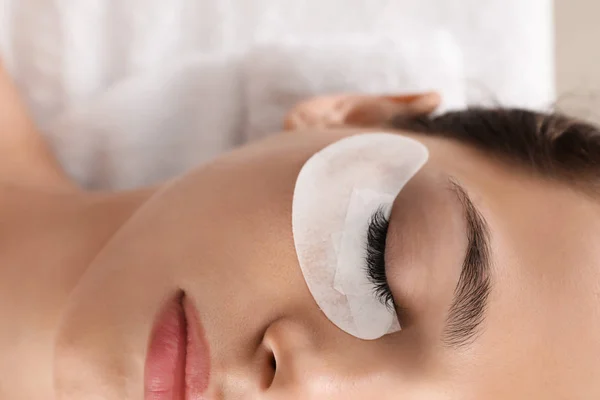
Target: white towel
161 123
152 126
131 92
277 76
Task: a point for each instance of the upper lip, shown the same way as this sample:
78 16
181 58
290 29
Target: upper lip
178 362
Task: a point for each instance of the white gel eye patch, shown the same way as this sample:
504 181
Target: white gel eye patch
336 193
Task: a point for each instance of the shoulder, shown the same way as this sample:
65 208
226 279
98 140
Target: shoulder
24 156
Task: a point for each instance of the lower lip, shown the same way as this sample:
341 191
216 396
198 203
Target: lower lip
177 364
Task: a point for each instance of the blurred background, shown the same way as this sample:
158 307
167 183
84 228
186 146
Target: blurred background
578 57
132 92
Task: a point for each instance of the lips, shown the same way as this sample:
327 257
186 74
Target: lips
178 362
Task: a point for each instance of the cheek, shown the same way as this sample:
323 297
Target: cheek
387 368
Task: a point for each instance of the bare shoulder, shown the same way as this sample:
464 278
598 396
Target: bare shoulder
24 156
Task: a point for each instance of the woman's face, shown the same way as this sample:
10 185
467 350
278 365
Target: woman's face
223 236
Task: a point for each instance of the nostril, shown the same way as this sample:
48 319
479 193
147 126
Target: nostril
268 367
286 341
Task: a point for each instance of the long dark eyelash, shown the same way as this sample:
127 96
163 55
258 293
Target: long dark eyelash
375 258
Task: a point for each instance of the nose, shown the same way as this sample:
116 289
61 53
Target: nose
311 364
293 351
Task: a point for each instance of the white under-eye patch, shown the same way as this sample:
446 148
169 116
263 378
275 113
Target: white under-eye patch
337 192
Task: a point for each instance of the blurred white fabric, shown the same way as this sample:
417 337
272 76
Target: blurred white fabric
130 92
278 76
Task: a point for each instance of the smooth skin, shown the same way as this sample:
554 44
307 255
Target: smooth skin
83 275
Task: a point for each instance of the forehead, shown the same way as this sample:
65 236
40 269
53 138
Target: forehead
543 314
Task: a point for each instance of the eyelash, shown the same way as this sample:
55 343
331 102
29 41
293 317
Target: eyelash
375 259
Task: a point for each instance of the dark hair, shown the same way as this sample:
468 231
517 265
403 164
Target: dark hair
551 144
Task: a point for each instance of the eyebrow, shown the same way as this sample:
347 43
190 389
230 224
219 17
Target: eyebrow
467 311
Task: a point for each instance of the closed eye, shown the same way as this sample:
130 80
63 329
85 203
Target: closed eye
375 257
